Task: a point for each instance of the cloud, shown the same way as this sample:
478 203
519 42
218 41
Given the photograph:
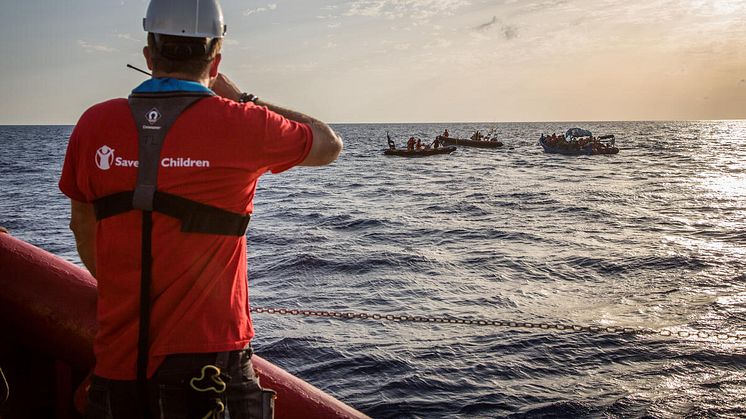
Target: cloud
477 38
533 6
88 47
396 9
438 43
508 31
486 26
128 37
271 6
289 68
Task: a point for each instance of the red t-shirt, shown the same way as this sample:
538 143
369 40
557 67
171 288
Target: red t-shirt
214 153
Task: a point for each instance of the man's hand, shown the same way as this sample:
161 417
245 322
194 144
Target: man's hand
224 87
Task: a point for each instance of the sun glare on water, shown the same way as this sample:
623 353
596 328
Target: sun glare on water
730 186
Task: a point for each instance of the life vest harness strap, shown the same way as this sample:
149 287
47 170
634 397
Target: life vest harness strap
195 217
154 114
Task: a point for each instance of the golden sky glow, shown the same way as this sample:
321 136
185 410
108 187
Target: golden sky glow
407 60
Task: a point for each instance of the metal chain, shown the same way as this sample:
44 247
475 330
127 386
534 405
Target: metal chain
733 336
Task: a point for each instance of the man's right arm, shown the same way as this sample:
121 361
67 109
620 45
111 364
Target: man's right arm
326 145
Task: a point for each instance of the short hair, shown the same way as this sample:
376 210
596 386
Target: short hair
181 54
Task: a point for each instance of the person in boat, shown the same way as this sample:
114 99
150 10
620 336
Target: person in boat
392 144
410 143
436 143
477 136
419 144
445 133
219 142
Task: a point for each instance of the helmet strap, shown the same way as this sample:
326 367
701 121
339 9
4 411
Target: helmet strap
182 51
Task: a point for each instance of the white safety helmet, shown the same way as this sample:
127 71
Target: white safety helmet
190 18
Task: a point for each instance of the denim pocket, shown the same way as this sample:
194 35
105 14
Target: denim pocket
173 401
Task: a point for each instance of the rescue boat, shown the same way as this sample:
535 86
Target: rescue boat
48 321
487 143
423 152
573 148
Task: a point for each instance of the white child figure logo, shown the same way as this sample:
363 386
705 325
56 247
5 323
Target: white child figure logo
104 157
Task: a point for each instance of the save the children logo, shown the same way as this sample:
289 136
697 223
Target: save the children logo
104 157
105 160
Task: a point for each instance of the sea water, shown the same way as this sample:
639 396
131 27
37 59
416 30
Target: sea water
653 237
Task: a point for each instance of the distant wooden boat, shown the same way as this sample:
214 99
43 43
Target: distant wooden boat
587 150
423 152
470 143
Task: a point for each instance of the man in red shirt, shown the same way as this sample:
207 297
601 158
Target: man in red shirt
162 187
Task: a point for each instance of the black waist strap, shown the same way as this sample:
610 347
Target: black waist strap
195 217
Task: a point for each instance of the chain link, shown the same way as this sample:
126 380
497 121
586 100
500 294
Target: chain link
733 336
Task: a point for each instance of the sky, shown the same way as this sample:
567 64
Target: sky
403 60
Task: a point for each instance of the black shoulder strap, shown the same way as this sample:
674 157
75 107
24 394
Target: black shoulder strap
154 115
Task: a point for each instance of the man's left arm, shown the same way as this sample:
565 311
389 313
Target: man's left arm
83 225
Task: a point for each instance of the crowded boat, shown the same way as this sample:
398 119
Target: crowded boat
477 139
415 147
578 141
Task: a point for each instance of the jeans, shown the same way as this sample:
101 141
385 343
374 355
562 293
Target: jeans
170 394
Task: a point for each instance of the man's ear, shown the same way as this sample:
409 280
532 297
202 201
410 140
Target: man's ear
214 65
148 57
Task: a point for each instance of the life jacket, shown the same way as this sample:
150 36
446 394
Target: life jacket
154 114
